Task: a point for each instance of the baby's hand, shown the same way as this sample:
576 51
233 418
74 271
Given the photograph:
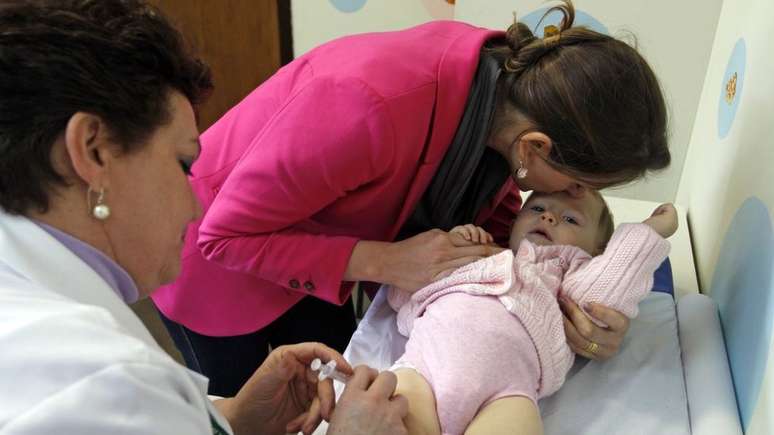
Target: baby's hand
472 233
663 220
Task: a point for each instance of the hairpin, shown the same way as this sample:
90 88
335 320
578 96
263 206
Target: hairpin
551 35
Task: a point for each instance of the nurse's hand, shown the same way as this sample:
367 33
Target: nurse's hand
367 405
284 395
582 332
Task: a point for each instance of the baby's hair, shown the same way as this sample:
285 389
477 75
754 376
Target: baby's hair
606 225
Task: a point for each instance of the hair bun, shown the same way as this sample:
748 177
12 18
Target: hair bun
518 36
526 49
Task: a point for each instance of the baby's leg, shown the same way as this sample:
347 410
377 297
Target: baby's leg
422 418
514 415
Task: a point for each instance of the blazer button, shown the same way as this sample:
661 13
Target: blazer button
309 286
294 283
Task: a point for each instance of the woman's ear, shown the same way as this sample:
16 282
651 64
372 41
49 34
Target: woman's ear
87 148
534 142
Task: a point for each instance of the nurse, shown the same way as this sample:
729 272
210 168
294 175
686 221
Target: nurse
343 165
97 134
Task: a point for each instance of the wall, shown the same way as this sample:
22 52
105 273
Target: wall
730 158
318 21
239 39
727 186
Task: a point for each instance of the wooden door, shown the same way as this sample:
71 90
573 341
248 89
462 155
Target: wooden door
241 40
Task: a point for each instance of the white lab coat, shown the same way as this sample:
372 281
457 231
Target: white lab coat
74 359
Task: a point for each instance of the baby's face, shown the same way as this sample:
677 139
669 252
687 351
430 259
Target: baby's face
559 219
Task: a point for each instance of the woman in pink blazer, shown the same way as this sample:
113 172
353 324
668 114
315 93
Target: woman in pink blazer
335 168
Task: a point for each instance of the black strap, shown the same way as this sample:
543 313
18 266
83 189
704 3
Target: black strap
471 172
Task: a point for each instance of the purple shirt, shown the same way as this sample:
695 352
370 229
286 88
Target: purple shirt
109 270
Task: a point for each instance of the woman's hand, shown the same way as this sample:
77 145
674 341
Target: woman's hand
284 395
418 261
415 262
581 331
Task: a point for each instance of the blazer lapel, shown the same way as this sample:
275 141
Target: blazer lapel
455 75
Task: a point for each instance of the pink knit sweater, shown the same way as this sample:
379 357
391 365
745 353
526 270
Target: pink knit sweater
529 283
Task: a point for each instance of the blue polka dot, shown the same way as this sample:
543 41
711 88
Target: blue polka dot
742 287
348 5
731 88
533 21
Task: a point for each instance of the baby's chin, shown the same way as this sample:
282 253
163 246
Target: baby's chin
535 238
538 239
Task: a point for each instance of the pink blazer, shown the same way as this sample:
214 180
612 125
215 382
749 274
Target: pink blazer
336 147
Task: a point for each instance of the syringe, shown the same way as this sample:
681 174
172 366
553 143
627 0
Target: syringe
328 370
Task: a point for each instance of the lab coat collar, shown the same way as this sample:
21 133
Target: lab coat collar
39 257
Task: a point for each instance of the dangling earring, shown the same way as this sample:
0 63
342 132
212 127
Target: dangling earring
101 210
521 173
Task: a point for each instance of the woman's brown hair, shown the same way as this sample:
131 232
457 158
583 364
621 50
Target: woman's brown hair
595 96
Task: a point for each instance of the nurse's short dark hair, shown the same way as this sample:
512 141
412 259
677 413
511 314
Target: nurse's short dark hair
116 59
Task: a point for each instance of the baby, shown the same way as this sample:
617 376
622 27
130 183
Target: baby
488 341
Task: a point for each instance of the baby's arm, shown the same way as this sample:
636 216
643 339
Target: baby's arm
397 298
623 275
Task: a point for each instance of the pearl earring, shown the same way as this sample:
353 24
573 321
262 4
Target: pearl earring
521 173
101 210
